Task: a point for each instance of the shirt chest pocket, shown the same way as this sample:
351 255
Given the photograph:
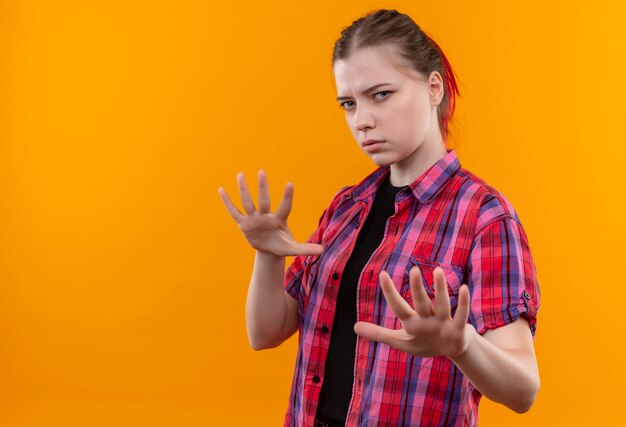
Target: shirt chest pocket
453 274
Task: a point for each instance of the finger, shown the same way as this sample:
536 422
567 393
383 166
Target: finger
246 199
230 206
309 249
378 333
442 300
284 208
264 193
463 309
421 301
398 305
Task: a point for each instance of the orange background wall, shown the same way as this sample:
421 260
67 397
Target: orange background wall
123 278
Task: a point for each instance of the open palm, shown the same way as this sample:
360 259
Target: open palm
426 331
266 231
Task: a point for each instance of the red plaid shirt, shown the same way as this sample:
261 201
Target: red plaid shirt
447 217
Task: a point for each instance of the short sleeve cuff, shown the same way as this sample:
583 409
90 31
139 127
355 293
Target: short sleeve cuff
498 319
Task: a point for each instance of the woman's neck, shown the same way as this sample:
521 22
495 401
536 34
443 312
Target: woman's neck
408 170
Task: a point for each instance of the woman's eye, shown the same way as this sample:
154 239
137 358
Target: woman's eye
344 105
349 104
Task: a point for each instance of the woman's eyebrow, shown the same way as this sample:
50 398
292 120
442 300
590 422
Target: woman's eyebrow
376 86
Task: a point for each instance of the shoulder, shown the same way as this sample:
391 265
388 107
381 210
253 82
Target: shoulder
365 186
492 205
337 200
341 195
345 191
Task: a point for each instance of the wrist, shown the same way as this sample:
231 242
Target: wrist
268 255
470 336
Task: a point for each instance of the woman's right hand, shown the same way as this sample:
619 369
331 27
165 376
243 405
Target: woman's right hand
266 231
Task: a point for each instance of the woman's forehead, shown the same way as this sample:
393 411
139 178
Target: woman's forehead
365 67
369 66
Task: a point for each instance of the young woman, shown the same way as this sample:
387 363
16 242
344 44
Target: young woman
417 294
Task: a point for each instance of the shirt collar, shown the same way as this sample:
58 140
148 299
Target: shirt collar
424 188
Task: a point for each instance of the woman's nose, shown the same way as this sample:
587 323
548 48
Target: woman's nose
363 120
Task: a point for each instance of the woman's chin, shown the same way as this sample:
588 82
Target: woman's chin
381 160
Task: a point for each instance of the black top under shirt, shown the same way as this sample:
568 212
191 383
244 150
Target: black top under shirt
336 389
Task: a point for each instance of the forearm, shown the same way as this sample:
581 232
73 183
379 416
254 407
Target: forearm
266 308
505 377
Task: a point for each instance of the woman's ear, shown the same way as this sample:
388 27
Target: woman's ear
436 88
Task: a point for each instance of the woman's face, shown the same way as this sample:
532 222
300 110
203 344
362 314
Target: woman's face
384 103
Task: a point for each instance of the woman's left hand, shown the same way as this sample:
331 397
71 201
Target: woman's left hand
426 331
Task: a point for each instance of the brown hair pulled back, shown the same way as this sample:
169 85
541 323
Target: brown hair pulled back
390 27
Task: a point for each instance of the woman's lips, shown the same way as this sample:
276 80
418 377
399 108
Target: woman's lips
372 145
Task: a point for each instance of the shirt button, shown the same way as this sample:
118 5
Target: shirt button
335 275
325 329
526 295
357 224
316 379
